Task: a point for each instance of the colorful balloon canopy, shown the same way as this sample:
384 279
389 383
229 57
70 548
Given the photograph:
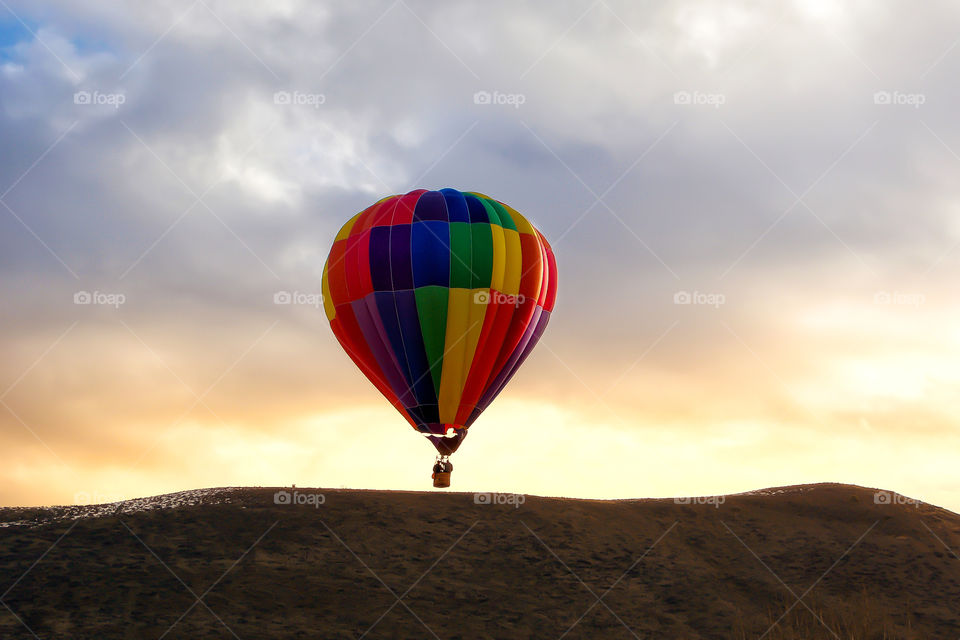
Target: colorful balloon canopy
439 297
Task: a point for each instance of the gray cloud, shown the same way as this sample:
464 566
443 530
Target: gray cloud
696 191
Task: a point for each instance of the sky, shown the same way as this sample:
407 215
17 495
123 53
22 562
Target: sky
753 206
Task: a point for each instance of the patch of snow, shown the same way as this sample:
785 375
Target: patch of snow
777 491
177 500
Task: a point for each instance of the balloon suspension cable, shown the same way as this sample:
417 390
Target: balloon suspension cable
443 459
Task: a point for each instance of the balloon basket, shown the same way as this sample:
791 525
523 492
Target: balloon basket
441 480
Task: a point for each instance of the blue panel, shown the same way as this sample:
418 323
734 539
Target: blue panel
430 242
416 353
430 413
401 266
363 311
380 259
430 206
478 213
456 206
387 309
425 414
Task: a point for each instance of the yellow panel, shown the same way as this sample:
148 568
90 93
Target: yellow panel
499 257
328 307
479 303
455 360
345 229
514 263
523 225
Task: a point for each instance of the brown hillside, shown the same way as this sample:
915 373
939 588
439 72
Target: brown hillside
466 570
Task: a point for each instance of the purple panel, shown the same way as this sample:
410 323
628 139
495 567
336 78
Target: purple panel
379 249
365 311
401 263
431 206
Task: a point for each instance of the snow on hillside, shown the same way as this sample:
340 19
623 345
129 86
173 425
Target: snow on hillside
45 515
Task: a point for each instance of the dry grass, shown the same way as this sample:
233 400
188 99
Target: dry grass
674 570
862 617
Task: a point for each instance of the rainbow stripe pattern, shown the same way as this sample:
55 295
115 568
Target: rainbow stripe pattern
439 297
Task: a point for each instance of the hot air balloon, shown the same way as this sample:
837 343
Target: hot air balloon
439 297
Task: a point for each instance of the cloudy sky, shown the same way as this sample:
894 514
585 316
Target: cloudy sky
753 205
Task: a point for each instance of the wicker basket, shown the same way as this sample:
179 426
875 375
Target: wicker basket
441 479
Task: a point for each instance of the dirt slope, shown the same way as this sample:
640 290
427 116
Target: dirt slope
719 568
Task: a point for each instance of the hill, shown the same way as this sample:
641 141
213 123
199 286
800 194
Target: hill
812 561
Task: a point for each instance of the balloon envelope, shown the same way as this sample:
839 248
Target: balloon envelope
439 297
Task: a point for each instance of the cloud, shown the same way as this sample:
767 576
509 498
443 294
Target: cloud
796 159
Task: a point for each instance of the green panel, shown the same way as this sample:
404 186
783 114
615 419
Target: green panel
492 212
506 220
461 256
432 309
482 262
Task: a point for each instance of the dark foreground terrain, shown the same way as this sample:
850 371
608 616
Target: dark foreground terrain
817 561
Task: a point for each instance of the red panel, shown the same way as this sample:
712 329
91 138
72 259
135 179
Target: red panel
545 272
336 273
350 265
492 334
405 206
348 333
357 265
495 323
532 263
363 265
551 279
531 280
518 324
365 221
384 213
